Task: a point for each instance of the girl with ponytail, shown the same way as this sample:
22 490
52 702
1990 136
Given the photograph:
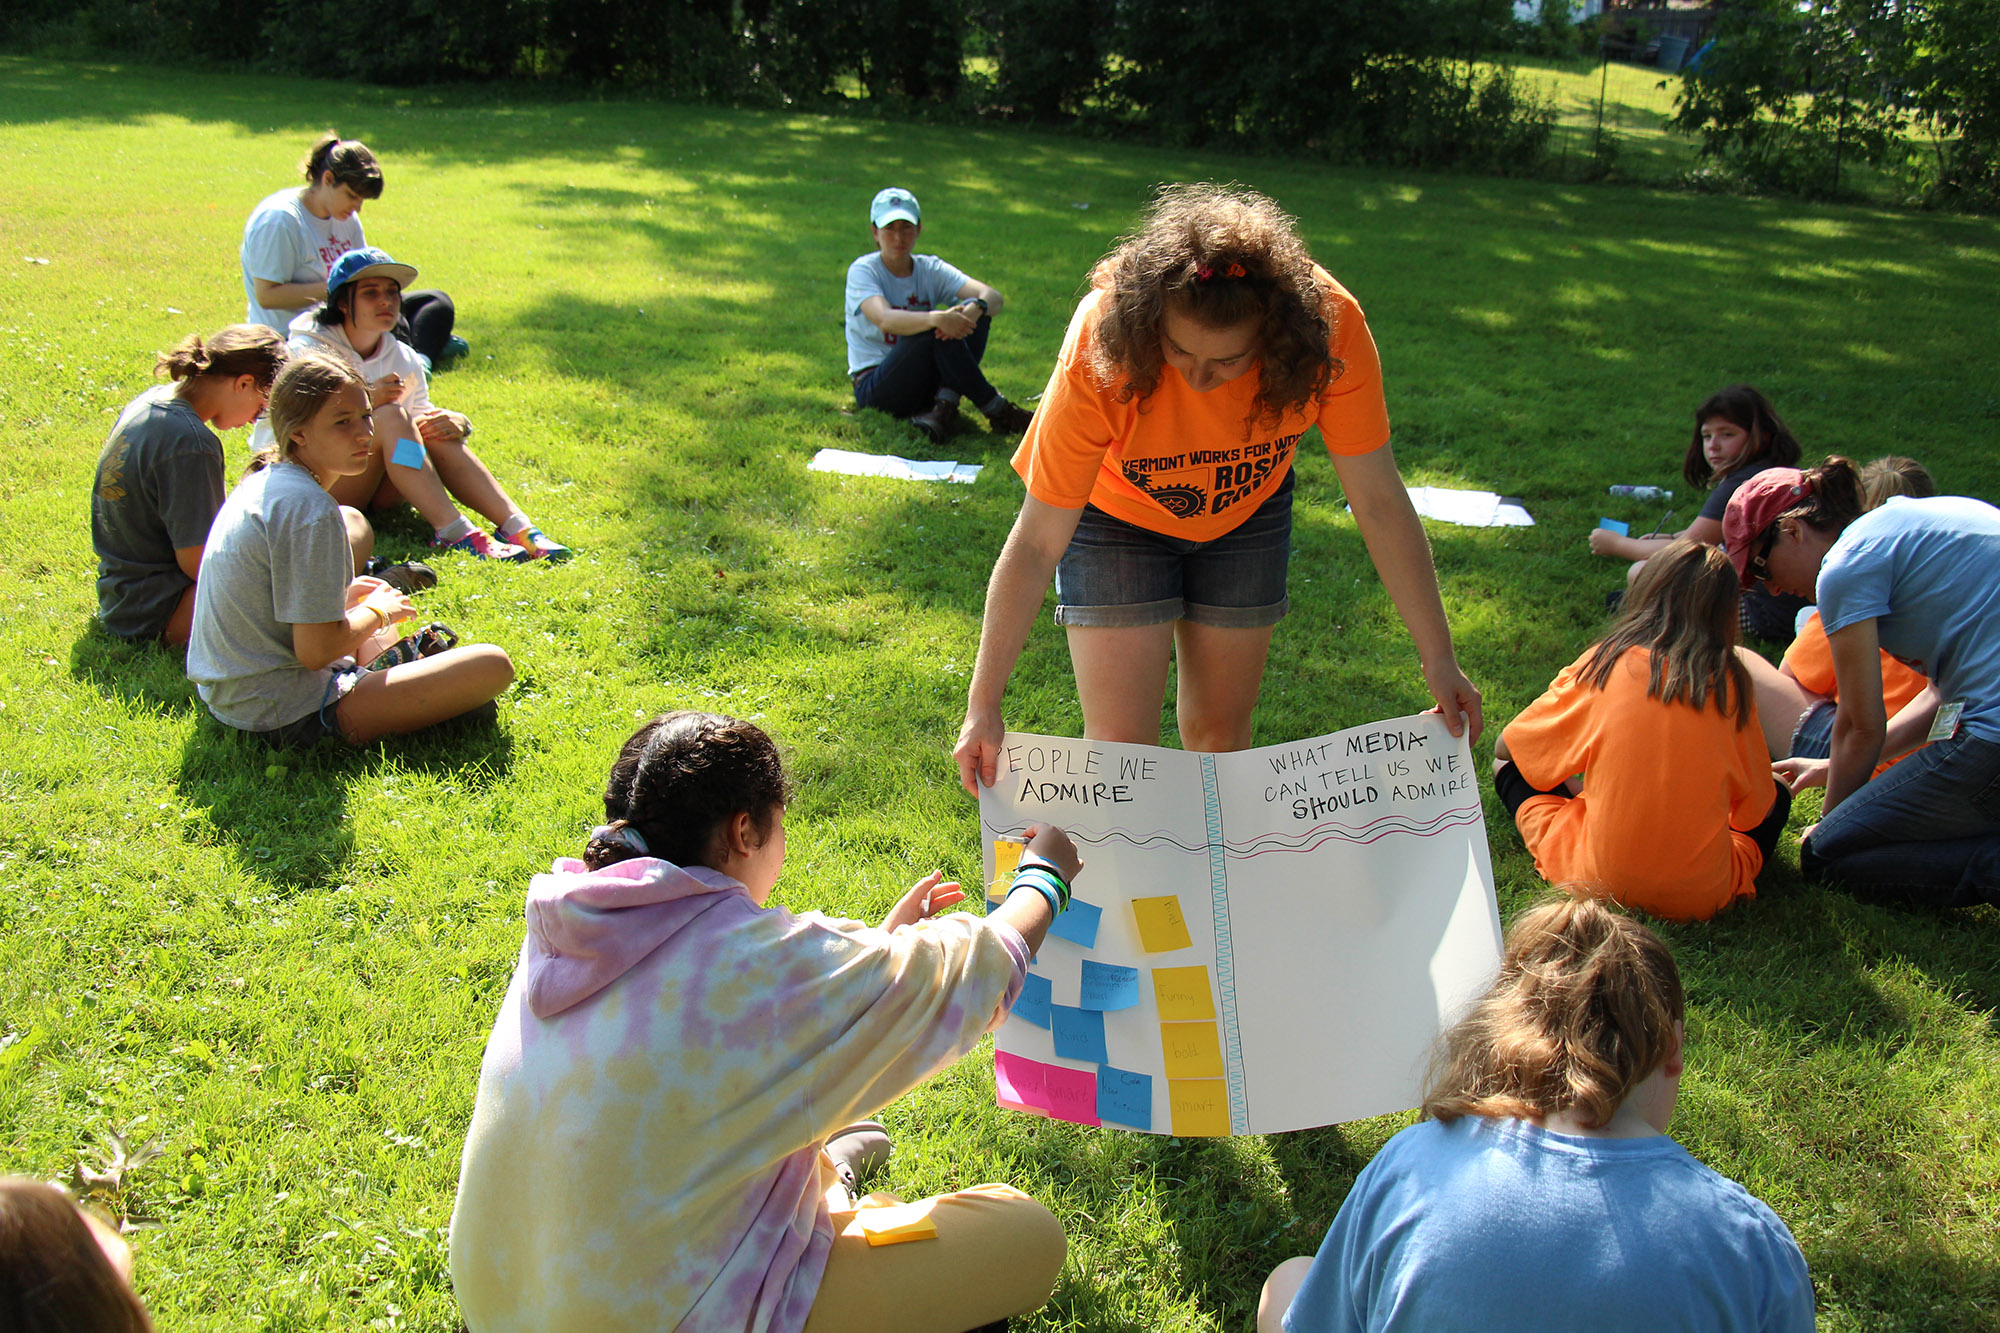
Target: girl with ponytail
294 237
1541 1189
159 480
1919 579
666 1130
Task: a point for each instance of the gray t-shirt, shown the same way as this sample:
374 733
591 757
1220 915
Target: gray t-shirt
159 483
277 557
282 242
932 285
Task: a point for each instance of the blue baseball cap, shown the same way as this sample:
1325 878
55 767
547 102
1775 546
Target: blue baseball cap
363 263
895 204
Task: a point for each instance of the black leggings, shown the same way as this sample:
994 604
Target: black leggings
426 322
1513 789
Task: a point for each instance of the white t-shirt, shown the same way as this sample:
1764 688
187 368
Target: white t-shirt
282 242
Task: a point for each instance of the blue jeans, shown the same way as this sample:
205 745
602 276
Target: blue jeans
907 381
1116 574
1928 828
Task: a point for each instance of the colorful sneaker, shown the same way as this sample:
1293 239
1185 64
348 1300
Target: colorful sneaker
456 349
540 546
478 544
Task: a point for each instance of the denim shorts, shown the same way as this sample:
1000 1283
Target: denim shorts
1813 737
1116 574
322 722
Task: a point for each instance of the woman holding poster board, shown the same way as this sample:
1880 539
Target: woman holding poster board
1159 476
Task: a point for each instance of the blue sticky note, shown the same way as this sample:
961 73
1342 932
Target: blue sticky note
1033 1004
1125 1097
1079 1033
1617 525
1108 987
1079 924
408 454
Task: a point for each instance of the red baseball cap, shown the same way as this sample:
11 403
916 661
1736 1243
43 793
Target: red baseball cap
1754 508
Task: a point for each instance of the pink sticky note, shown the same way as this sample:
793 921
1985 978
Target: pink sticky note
1072 1094
1020 1083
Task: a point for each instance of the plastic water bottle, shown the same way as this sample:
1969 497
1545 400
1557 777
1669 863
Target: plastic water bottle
1643 492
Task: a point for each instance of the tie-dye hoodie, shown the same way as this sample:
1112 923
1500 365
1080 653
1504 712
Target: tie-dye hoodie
644 1153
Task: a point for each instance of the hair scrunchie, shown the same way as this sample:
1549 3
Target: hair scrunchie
626 836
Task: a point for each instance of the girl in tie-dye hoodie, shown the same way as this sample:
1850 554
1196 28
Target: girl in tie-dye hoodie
672 1055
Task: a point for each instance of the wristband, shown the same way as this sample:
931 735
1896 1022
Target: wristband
1036 861
984 309
1038 883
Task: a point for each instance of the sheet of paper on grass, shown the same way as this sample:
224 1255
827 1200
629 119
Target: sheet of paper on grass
888 465
1470 509
1260 941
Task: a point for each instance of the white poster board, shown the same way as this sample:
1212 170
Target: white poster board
1259 941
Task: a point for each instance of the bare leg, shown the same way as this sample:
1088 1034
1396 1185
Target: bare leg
470 480
1279 1289
360 535
1121 680
1781 701
407 698
180 625
422 487
1221 671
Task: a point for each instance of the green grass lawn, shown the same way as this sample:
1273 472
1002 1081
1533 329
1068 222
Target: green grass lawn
289 978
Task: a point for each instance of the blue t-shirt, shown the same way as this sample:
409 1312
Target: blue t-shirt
1928 573
1497 1225
932 285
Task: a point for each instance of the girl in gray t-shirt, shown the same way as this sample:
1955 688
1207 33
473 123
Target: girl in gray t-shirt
159 478
279 618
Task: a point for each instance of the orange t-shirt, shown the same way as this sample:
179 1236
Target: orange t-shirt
1810 660
1666 789
1179 463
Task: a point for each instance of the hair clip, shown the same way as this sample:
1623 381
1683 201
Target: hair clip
1204 273
1236 270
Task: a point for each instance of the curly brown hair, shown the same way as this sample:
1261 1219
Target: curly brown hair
1222 255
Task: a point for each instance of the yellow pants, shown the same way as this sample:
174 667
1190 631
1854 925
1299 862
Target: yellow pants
997 1254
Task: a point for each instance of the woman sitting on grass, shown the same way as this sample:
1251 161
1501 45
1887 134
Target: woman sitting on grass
1677 810
1797 698
159 480
280 619
296 235
364 294
1541 1191
1915 579
1737 434
658 1140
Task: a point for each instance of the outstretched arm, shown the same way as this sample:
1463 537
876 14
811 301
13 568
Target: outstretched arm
1402 556
1013 598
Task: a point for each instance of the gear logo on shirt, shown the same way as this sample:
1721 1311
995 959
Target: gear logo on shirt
1208 480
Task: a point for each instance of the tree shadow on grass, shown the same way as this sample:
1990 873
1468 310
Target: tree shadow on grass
285 811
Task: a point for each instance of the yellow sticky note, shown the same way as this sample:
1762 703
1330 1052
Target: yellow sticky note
1006 855
1192 1050
1183 992
1161 927
1200 1107
897 1223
